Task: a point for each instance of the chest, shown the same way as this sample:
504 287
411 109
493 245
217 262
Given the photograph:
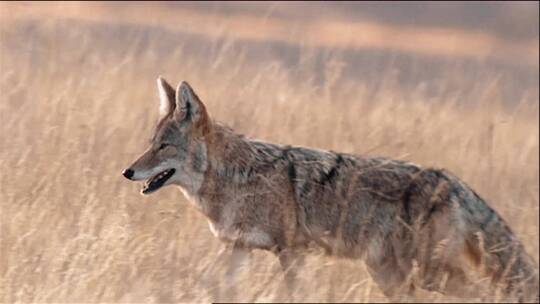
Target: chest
245 235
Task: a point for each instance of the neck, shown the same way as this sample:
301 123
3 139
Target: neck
228 154
225 147
218 152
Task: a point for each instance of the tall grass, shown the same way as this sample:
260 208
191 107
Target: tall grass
76 110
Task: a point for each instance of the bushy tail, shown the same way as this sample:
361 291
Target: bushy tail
502 256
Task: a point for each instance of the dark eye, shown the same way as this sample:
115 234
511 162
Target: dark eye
162 146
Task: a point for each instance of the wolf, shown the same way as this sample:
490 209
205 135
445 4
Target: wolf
394 215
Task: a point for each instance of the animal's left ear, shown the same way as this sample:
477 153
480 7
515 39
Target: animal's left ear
189 106
166 97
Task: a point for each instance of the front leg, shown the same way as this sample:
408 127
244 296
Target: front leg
239 256
290 261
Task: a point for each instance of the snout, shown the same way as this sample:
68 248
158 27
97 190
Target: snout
128 173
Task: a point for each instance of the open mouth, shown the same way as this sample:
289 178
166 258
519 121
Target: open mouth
157 181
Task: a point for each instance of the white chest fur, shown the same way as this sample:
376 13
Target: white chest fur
253 237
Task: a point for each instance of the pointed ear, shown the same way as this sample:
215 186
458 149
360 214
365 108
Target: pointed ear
166 97
189 106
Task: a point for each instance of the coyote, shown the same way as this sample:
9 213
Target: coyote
394 215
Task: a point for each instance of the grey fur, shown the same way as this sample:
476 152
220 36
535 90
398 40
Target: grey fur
390 213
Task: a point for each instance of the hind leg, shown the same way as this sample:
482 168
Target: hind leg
443 262
393 283
449 280
391 275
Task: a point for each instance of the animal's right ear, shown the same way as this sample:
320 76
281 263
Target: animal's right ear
166 97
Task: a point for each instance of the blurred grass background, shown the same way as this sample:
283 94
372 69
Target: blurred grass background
451 85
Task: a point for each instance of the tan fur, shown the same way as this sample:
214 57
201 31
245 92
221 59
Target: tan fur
392 214
472 255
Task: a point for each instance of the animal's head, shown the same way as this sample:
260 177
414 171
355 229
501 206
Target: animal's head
177 152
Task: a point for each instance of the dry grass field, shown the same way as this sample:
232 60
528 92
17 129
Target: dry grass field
78 103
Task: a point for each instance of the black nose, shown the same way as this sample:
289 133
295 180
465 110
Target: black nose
128 173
